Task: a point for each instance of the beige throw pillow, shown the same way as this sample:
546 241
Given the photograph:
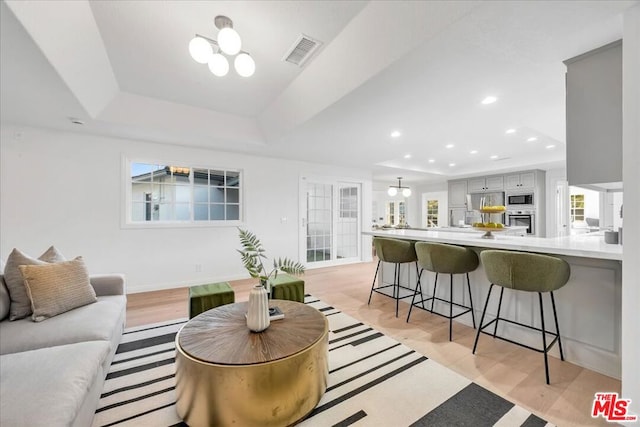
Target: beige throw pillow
20 303
57 288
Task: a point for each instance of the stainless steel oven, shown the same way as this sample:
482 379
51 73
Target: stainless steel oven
522 218
520 199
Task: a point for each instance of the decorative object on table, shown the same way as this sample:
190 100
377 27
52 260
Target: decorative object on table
252 256
258 309
487 224
275 313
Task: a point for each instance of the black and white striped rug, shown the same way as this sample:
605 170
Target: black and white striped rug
373 381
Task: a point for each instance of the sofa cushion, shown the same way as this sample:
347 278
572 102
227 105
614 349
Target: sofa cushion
47 387
57 288
20 302
87 323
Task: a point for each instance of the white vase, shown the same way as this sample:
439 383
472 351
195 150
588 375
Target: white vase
258 309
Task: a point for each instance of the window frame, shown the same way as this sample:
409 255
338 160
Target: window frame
127 201
574 201
430 212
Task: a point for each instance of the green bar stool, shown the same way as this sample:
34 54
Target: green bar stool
446 259
288 287
394 251
211 295
526 272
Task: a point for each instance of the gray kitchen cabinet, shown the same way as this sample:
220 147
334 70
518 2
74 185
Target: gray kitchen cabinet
476 185
482 184
520 181
594 116
458 194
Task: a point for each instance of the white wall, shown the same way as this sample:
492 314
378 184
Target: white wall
67 189
631 178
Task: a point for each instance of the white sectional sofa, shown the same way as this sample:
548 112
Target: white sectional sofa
52 372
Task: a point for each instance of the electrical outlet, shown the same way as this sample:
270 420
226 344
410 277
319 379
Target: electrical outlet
198 268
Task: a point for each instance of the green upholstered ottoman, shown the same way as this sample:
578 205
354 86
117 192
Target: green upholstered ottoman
287 287
211 295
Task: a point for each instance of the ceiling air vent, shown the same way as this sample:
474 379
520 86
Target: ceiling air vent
302 50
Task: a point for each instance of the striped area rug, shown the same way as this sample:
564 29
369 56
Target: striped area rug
373 381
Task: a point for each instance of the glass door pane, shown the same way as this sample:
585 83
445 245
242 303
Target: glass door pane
319 222
348 233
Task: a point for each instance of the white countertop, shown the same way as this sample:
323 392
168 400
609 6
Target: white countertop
515 229
590 245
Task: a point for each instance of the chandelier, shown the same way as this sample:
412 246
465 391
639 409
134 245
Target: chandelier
394 189
212 52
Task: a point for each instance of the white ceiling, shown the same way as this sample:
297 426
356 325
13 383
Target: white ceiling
418 67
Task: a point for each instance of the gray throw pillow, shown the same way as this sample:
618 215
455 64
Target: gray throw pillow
20 302
57 288
5 300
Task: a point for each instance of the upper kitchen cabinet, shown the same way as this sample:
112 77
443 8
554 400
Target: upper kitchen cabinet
520 181
458 194
490 183
594 116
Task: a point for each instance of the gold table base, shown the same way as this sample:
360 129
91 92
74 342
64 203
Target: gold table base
275 393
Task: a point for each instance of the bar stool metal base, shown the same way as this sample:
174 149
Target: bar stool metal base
395 285
433 298
545 348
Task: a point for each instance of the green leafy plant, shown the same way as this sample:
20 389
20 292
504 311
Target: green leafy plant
253 255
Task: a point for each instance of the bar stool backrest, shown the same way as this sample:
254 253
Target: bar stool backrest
449 259
525 271
394 250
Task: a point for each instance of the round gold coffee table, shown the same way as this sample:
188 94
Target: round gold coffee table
227 375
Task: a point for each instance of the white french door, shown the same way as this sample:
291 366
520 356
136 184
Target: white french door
330 212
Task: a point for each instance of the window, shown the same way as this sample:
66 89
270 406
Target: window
160 193
349 202
577 207
396 213
432 213
391 215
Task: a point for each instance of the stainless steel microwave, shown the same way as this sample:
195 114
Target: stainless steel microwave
520 199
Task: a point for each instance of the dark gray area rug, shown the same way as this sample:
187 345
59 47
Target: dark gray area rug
373 381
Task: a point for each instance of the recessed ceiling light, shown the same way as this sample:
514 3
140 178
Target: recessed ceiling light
533 138
551 146
473 152
489 100
449 146
431 160
396 134
510 131
407 156
451 165
493 157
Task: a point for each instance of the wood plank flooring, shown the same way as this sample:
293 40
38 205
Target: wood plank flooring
506 369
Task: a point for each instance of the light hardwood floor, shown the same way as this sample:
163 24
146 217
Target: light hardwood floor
510 371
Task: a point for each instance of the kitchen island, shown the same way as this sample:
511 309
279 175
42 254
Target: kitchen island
589 306
515 230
